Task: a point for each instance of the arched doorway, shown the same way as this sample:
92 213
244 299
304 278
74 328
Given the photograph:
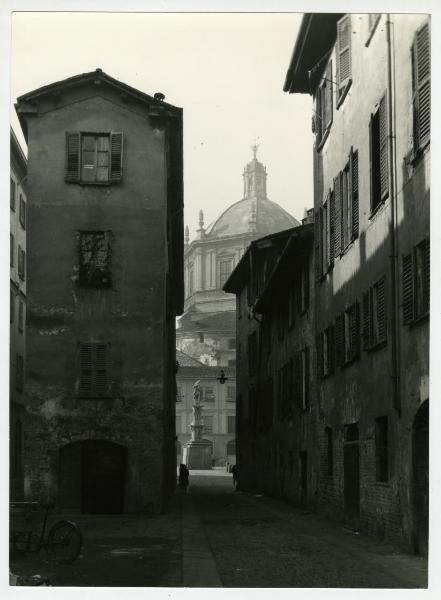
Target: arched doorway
92 477
420 456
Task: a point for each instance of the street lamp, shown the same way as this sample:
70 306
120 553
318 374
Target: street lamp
222 379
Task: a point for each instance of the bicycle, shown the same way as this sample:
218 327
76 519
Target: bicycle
63 542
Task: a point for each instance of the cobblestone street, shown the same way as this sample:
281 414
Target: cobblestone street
216 537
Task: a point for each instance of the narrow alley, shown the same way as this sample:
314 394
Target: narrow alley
214 536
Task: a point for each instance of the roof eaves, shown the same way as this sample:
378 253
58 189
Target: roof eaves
303 234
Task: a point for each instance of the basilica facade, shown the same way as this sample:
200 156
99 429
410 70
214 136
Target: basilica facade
206 331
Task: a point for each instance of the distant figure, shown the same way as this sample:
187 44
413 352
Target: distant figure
234 472
183 477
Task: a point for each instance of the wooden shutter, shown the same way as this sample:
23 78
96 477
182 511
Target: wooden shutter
116 156
305 382
421 80
353 166
426 296
331 227
319 354
337 216
355 333
340 339
327 236
318 116
101 369
328 95
367 319
72 157
343 52
408 289
317 253
381 310
384 174
86 370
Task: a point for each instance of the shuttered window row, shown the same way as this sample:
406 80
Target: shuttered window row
337 220
421 87
375 315
94 370
93 158
416 282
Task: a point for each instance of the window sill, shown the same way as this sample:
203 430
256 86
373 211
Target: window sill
343 94
378 208
350 361
420 319
377 346
419 153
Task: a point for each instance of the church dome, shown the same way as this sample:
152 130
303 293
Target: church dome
249 215
255 213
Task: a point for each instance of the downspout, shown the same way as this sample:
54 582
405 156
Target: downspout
396 379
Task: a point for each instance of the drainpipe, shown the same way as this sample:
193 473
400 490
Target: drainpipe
393 226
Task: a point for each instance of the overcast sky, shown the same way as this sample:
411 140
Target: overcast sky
225 70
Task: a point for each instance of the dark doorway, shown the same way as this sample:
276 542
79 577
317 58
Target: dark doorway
92 477
351 476
421 478
303 478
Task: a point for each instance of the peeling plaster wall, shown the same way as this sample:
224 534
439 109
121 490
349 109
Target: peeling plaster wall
132 315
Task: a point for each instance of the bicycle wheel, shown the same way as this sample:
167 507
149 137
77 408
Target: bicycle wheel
64 542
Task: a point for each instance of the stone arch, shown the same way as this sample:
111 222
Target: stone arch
92 476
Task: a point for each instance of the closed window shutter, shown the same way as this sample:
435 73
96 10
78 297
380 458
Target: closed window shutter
421 64
319 351
427 275
328 96
317 253
318 118
367 320
355 333
331 227
408 289
86 370
116 156
384 176
337 216
381 310
72 157
340 339
328 231
343 51
353 165
101 369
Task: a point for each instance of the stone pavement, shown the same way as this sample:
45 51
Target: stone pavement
214 536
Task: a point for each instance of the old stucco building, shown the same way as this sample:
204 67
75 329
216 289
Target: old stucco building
105 248
207 329
276 407
370 80
17 339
